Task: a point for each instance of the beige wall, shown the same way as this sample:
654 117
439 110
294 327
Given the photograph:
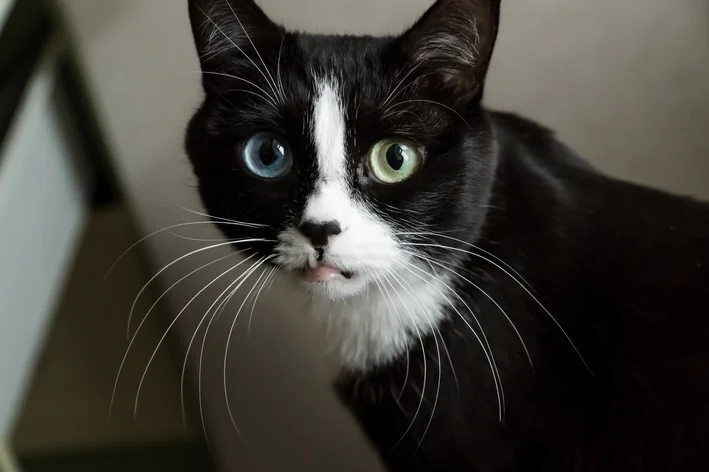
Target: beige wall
623 81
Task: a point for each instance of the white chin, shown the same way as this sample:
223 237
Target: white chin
337 289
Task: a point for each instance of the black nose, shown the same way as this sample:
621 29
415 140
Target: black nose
319 233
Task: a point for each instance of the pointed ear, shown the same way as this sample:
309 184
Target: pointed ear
452 44
234 28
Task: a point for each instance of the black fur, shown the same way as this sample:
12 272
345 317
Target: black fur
622 268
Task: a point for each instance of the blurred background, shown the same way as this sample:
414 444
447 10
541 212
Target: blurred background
94 98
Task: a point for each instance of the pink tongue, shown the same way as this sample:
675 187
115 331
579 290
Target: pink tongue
323 273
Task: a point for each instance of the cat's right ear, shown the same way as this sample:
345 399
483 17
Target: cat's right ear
230 31
452 44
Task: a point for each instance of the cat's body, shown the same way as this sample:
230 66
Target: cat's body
496 303
634 299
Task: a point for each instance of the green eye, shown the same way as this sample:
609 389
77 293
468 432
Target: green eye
393 160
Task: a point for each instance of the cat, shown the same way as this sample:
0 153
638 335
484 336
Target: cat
497 303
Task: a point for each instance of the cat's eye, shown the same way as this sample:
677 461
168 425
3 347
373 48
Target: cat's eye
393 160
267 155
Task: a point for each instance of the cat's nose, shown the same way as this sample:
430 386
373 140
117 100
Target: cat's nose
320 233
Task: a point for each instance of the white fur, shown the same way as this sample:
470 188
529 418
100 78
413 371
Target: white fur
329 132
377 326
375 316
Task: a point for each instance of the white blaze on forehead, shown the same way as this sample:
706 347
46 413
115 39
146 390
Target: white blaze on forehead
329 132
330 200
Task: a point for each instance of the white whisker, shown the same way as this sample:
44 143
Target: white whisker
258 293
568 338
196 251
262 261
278 67
201 240
267 97
489 355
431 102
215 315
390 304
441 234
412 293
179 225
221 306
393 93
423 353
219 218
140 325
246 33
172 323
477 287
250 92
226 36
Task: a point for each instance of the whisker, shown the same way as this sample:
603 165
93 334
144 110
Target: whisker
168 228
278 67
378 282
423 353
478 248
246 33
196 251
433 102
140 325
250 92
429 233
477 287
262 261
236 45
228 220
393 92
273 279
269 100
489 355
221 306
215 315
568 338
412 292
172 323
250 296
253 305
397 398
204 240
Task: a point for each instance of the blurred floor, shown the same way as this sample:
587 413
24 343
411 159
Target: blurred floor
64 424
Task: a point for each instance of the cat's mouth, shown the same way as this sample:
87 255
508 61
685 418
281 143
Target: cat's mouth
325 273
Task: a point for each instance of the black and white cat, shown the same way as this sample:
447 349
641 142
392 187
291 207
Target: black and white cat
497 304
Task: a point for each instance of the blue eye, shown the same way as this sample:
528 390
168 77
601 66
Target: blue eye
267 156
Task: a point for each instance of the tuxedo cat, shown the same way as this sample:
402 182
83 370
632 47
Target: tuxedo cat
496 303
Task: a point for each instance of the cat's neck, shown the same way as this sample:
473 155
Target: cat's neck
361 332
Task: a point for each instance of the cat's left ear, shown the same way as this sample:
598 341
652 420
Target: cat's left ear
452 44
231 29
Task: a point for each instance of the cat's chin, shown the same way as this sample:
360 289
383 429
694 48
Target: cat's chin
330 283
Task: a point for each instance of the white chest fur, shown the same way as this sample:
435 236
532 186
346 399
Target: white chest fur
382 323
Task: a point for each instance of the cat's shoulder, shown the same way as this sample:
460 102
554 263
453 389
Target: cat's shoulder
515 131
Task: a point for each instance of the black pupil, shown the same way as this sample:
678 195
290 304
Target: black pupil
395 157
270 151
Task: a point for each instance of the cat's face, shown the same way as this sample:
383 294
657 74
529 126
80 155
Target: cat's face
341 153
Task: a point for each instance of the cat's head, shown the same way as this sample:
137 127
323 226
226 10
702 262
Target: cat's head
341 154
